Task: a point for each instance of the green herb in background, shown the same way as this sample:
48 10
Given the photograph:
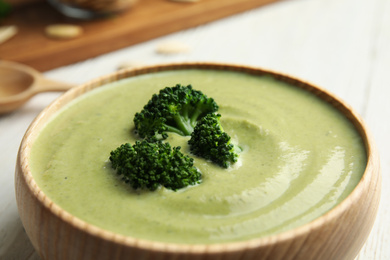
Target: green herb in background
5 9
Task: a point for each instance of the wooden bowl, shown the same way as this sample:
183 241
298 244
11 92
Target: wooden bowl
56 234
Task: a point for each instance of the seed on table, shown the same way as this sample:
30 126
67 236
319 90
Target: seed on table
63 31
172 48
130 65
7 32
185 1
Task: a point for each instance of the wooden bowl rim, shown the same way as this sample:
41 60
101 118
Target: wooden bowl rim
341 106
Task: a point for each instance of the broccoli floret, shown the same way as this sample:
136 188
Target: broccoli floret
174 109
147 165
208 140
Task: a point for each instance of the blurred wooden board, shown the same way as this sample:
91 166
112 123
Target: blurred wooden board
148 19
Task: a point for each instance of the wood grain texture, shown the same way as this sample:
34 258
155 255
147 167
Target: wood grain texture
146 20
339 234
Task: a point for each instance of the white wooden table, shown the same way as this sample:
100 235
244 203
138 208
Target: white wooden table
341 45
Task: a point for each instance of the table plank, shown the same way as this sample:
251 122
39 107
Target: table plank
146 20
377 115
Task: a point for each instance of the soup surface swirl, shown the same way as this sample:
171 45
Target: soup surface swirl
300 158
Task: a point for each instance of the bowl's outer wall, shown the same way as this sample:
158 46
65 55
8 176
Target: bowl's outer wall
340 238
339 234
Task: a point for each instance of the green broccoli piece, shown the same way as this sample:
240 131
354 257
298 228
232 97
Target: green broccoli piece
174 109
147 165
208 140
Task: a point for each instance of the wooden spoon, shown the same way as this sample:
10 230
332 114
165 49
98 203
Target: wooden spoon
18 83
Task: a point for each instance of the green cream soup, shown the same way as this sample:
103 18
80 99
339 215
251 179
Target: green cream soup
300 158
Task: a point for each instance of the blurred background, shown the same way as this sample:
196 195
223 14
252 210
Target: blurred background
340 45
